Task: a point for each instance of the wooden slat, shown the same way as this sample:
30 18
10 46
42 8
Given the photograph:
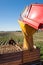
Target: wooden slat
18 62
31 59
31 52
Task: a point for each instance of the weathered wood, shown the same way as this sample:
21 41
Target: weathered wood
10 57
21 57
18 62
31 56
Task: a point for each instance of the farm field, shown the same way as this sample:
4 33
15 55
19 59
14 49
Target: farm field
18 37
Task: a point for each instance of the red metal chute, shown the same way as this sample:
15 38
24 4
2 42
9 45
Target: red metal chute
33 16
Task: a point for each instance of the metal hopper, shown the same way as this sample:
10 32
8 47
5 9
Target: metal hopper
30 21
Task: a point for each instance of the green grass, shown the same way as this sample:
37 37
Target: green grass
38 41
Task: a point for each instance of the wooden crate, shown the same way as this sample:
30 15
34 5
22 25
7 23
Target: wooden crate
19 58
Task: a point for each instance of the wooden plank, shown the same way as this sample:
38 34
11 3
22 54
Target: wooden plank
31 52
12 63
10 54
30 59
24 56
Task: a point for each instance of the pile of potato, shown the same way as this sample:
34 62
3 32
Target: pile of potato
9 48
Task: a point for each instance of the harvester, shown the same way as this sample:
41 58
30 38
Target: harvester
31 20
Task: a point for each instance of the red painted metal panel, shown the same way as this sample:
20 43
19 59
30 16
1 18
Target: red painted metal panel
33 16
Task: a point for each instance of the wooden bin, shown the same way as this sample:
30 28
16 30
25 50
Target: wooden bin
18 58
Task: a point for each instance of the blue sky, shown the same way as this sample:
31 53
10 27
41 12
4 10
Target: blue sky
10 11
